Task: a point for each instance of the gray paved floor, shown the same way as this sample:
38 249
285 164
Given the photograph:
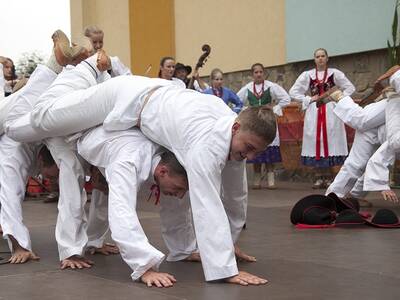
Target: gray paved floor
360 263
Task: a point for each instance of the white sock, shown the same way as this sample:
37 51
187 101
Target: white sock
53 64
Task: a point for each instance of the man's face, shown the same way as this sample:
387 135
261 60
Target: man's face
171 185
7 69
245 144
181 74
97 40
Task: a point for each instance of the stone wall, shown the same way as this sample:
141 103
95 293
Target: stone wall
361 68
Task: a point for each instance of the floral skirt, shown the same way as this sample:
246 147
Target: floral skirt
271 155
323 162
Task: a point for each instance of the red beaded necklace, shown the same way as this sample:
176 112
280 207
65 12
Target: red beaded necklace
218 92
260 93
320 83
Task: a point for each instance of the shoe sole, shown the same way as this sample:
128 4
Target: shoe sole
61 45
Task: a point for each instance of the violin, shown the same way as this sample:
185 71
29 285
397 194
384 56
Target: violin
200 63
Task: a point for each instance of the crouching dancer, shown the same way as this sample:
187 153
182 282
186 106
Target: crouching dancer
127 159
209 140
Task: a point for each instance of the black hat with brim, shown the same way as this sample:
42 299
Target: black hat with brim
344 203
349 218
180 66
313 210
384 218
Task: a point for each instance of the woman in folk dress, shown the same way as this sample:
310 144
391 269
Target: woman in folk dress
226 94
264 92
324 135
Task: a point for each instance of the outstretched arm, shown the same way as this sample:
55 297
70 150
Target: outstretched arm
213 231
362 119
377 172
126 230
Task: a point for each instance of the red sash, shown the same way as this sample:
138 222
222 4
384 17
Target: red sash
321 120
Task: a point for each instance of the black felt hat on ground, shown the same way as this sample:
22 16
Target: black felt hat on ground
345 203
349 217
384 218
313 210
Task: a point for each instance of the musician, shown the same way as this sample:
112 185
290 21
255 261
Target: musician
182 72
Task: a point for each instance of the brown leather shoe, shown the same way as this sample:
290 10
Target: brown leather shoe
79 54
103 61
388 73
62 49
81 50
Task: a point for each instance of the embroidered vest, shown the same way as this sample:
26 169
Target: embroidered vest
263 100
314 89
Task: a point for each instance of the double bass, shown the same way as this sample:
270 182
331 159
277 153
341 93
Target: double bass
200 63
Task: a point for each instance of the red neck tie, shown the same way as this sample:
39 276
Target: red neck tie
155 190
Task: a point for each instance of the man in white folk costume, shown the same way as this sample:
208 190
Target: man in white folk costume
373 153
369 123
378 168
208 139
20 157
138 253
127 159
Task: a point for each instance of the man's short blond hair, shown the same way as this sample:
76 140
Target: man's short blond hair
259 120
92 29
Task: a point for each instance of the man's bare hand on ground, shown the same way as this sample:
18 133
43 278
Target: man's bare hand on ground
241 256
21 255
390 196
106 249
158 279
244 278
76 262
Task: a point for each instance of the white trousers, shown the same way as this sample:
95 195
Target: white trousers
364 145
359 118
125 227
70 89
16 159
71 227
38 83
377 171
97 228
177 227
176 215
393 123
16 164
